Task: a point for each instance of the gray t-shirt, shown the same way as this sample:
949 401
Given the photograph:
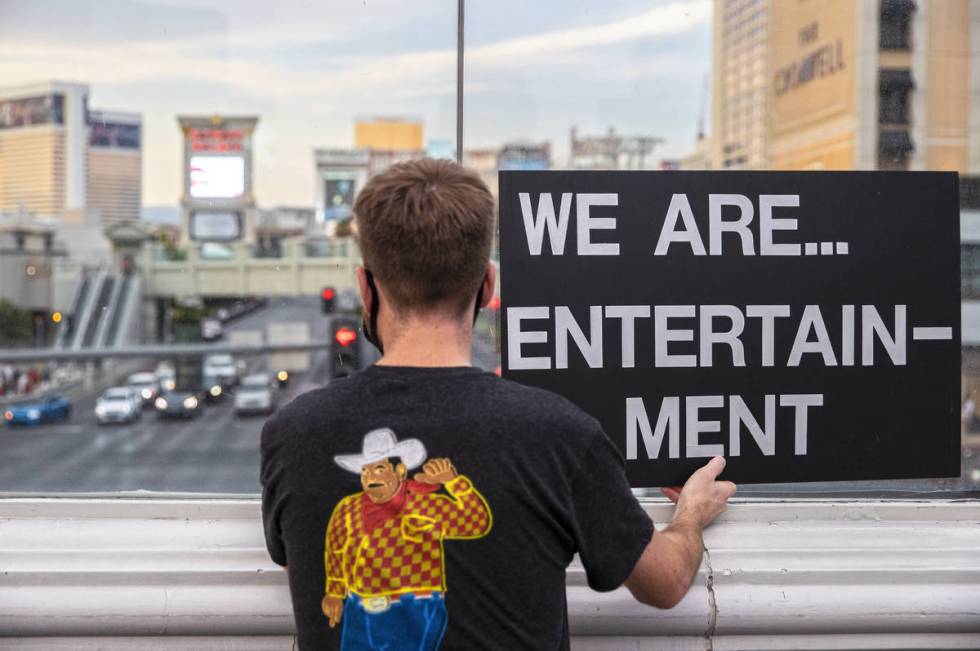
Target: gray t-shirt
469 551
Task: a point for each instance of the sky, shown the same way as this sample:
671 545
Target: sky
310 68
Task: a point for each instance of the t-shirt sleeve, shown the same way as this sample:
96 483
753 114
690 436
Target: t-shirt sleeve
272 493
611 528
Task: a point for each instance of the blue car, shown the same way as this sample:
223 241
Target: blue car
47 409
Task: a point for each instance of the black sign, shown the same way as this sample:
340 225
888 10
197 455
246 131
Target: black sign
804 325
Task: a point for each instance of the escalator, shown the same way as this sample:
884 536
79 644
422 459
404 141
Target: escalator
100 311
118 311
105 311
79 297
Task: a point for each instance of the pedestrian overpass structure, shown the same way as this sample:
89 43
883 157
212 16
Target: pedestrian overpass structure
303 267
105 303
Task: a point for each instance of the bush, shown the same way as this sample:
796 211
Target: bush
16 325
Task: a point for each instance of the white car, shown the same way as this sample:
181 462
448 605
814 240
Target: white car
118 405
221 366
166 376
145 385
256 395
211 329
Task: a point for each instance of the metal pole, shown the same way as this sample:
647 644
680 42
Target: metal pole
459 81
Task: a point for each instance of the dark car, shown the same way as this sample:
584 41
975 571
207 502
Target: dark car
177 404
47 409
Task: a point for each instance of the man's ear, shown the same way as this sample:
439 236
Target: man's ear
489 281
362 286
401 470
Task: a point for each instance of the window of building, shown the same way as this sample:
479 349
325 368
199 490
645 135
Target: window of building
894 149
970 270
894 91
895 25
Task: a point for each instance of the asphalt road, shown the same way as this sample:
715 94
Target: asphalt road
217 452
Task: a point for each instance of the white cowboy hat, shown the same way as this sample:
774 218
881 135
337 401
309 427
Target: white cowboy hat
381 444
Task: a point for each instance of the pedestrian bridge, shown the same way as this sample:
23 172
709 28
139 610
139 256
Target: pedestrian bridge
300 266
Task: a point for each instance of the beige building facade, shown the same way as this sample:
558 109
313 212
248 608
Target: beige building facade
388 134
846 85
59 160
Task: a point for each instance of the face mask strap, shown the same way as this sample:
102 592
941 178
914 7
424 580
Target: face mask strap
371 327
479 300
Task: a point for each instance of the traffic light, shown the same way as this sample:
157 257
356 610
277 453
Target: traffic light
327 297
345 346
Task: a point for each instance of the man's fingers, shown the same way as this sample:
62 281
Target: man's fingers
422 477
715 466
673 493
729 487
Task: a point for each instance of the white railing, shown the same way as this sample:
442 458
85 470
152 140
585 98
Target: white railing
193 573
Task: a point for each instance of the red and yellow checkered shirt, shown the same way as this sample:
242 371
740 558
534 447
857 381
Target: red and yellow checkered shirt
403 554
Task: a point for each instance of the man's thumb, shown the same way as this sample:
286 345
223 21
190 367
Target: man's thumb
716 466
422 477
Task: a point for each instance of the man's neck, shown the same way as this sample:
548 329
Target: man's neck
426 342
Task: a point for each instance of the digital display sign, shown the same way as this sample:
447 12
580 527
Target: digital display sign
29 111
114 135
216 140
217 177
339 198
215 226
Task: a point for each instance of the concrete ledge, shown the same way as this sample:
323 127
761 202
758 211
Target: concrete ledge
121 573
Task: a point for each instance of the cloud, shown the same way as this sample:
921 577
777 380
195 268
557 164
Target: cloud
302 68
407 72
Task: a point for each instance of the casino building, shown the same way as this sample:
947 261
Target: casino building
63 162
846 85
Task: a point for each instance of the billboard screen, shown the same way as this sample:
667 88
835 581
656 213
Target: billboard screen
29 111
524 157
220 226
114 135
217 177
338 198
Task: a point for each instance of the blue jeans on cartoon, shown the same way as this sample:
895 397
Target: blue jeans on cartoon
408 624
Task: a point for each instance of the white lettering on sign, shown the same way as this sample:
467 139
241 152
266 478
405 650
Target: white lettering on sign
586 223
628 314
689 336
589 347
536 223
740 226
695 424
516 337
769 223
679 226
637 422
679 207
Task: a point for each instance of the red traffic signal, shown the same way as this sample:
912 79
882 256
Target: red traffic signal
345 337
327 294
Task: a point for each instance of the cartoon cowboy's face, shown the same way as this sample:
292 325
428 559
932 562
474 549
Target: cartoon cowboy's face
381 480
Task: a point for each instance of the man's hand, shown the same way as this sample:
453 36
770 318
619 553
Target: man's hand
702 498
436 471
333 608
663 574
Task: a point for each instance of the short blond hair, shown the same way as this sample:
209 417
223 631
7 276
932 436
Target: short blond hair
425 228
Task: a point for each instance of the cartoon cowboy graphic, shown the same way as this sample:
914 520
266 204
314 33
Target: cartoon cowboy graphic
384 555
